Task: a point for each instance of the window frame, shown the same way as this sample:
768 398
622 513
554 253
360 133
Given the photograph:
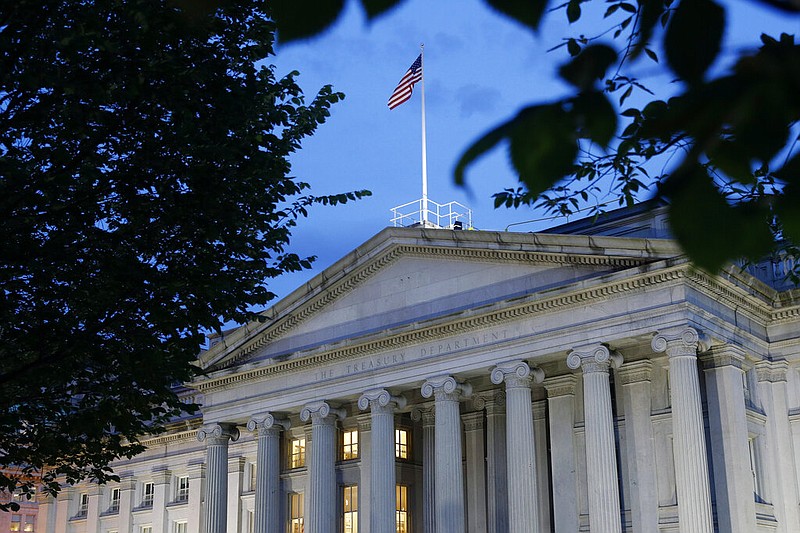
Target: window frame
350 508
295 514
401 508
398 446
148 493
349 445
291 463
181 490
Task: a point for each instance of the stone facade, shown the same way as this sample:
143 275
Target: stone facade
584 379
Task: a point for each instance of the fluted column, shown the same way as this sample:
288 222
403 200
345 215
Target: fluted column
522 497
449 477
322 476
426 415
601 458
689 441
772 393
730 453
268 469
381 404
561 404
217 437
365 457
634 378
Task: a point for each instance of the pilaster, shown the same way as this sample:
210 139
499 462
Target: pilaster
634 378
494 404
772 391
161 479
561 403
197 475
730 453
236 467
476 477
426 414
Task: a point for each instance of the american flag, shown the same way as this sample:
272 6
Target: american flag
403 90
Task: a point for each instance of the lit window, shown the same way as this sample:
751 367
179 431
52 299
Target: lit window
350 444
16 521
295 513
401 443
182 489
83 509
181 527
30 522
297 453
350 506
401 508
113 503
148 491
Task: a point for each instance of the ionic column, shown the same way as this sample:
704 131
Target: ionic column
322 475
561 404
476 476
634 378
382 469
449 477
772 393
268 469
730 452
523 500
426 415
601 458
496 462
689 442
217 437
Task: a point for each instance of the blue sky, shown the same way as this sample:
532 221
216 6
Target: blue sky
480 68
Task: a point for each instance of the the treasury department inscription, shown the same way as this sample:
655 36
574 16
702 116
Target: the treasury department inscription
377 362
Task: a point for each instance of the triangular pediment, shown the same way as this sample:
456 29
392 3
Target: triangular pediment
406 276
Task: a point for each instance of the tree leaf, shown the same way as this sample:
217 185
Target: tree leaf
526 12
476 149
596 115
375 8
573 10
694 37
573 47
588 66
300 19
543 146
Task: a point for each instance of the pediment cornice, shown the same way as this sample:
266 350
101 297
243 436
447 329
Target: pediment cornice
543 250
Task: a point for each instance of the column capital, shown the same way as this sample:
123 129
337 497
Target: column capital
516 374
380 399
446 388
723 355
319 412
219 433
364 422
127 481
493 401
472 421
684 342
635 372
197 470
772 371
426 413
161 475
594 359
560 385
266 422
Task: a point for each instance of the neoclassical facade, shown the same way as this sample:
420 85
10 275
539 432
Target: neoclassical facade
583 379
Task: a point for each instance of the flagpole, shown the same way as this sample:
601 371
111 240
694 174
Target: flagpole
424 149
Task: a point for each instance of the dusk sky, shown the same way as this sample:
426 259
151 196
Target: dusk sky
480 69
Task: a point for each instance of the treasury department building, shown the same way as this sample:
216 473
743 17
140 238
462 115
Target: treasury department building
586 378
